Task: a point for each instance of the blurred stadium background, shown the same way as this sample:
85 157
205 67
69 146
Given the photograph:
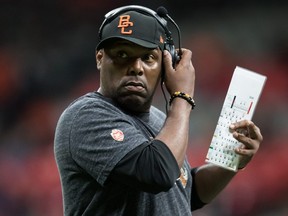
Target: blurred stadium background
47 60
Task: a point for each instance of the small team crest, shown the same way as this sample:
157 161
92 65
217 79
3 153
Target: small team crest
117 135
184 177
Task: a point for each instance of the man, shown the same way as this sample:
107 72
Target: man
119 155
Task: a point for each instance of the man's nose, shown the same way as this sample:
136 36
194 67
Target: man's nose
136 68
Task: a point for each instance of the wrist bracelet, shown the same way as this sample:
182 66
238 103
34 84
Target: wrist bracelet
184 96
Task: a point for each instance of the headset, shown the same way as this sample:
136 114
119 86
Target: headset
161 16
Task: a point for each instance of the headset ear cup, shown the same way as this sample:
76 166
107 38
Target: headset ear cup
171 49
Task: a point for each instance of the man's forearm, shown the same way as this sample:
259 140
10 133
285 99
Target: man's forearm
175 131
211 180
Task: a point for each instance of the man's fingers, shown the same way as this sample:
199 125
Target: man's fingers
247 128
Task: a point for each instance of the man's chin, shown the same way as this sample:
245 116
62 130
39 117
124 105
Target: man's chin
134 103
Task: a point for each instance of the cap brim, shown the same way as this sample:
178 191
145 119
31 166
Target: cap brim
137 41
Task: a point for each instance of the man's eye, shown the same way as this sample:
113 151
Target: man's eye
148 57
122 55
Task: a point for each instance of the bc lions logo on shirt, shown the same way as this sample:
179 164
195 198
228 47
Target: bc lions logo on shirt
184 177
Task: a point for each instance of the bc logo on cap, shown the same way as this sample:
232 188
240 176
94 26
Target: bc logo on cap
124 22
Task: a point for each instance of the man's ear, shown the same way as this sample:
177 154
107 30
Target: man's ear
99 55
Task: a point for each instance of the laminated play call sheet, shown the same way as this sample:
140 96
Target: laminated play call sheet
240 102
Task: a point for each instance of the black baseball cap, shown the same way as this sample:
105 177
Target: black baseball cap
139 28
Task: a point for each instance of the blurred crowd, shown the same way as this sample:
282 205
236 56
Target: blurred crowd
47 60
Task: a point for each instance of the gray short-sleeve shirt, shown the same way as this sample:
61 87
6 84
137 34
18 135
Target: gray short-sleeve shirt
92 136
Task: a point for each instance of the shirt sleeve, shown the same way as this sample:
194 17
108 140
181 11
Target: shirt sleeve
150 167
196 202
100 136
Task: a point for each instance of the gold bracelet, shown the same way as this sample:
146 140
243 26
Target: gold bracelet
184 96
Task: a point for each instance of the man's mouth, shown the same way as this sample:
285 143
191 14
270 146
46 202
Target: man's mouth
134 86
